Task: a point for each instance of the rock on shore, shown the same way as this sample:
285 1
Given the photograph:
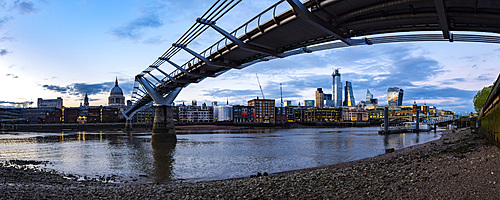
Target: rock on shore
460 165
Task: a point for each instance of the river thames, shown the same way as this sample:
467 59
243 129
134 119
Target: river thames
200 155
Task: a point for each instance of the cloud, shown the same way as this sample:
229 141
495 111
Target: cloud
13 103
133 29
3 52
12 75
484 77
89 88
55 88
4 20
25 7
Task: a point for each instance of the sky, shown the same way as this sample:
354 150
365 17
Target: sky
59 48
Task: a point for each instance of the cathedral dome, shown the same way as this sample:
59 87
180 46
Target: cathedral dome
116 90
116 98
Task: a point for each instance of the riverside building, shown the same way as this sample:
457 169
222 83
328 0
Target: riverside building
264 111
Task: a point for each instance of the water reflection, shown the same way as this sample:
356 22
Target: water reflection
206 155
163 153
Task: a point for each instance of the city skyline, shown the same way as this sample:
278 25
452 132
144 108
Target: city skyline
67 49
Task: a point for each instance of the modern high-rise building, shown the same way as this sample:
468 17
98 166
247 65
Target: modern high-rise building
320 98
287 103
328 100
337 88
395 96
369 96
349 95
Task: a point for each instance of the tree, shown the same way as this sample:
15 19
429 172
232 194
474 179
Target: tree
480 98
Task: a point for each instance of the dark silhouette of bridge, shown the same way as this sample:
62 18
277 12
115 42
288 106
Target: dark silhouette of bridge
307 27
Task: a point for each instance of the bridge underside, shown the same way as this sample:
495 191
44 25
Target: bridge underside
325 21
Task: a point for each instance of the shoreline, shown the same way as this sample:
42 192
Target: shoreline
460 164
179 126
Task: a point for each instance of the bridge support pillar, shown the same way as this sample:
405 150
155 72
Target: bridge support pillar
417 125
128 125
386 120
163 124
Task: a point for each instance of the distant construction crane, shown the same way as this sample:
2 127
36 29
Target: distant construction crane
281 96
263 97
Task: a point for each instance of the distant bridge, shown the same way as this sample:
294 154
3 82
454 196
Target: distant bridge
307 27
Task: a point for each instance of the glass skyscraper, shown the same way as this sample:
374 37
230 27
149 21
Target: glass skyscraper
395 96
337 88
369 96
349 95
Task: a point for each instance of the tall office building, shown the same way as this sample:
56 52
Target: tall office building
328 100
369 96
349 95
337 88
395 96
320 98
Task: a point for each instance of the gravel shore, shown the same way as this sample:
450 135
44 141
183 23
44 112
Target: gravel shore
460 165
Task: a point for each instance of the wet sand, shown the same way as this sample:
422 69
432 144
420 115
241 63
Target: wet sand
460 165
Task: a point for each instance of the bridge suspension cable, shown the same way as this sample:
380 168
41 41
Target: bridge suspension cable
215 12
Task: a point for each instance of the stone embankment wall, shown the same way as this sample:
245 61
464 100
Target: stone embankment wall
489 118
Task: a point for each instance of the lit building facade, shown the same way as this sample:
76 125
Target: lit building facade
263 110
355 115
320 98
287 103
394 96
243 114
318 114
349 95
337 88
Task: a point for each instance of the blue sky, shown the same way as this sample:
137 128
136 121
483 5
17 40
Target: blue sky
58 48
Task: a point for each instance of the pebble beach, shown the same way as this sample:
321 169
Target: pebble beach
461 164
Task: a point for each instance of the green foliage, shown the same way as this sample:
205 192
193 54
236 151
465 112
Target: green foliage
480 98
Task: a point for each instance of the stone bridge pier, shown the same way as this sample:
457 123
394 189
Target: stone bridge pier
163 124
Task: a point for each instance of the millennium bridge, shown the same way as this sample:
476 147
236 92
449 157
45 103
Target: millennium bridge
304 27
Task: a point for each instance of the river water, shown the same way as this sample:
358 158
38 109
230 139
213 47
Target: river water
200 155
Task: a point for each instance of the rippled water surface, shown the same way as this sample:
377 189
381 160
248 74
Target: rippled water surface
201 155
